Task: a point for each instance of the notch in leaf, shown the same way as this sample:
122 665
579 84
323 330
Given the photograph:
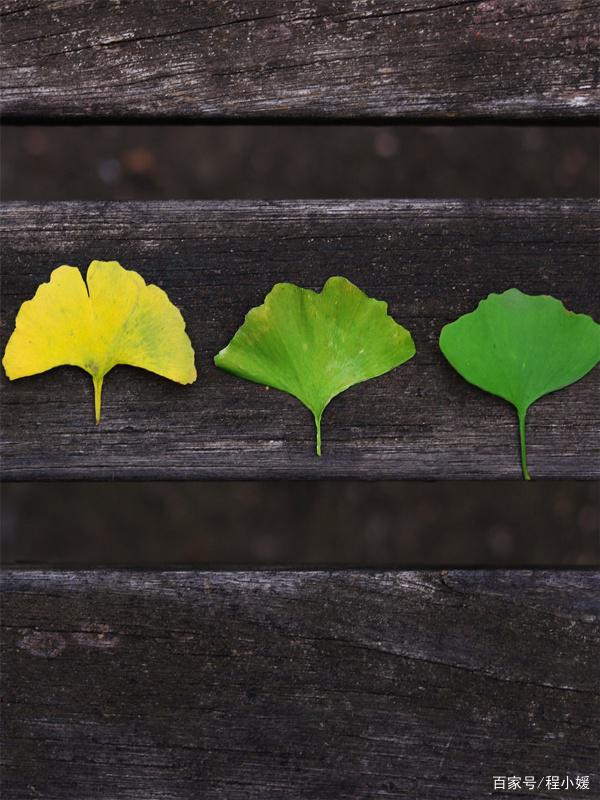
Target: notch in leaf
521 347
116 319
316 345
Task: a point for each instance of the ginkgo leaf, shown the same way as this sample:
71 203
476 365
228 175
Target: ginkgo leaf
316 345
116 319
521 347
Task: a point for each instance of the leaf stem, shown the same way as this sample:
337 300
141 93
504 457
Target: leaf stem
98 379
522 414
318 427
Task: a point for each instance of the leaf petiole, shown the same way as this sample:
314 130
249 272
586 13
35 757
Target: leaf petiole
522 414
98 379
318 427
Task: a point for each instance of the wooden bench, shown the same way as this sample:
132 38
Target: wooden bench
297 684
431 260
307 59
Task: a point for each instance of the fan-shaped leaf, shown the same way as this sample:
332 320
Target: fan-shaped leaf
316 345
115 319
521 347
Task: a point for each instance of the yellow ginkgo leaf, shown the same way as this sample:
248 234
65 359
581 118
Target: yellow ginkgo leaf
116 319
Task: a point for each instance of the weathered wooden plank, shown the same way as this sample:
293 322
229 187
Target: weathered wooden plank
431 261
297 684
412 59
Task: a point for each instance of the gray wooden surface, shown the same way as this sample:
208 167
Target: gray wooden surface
404 59
308 685
431 260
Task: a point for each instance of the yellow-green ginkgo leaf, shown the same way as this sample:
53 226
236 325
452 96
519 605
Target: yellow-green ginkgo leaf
116 319
315 345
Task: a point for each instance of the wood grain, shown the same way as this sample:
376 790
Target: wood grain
307 685
431 260
310 59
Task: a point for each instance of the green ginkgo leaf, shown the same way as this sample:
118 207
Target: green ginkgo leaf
521 347
316 345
